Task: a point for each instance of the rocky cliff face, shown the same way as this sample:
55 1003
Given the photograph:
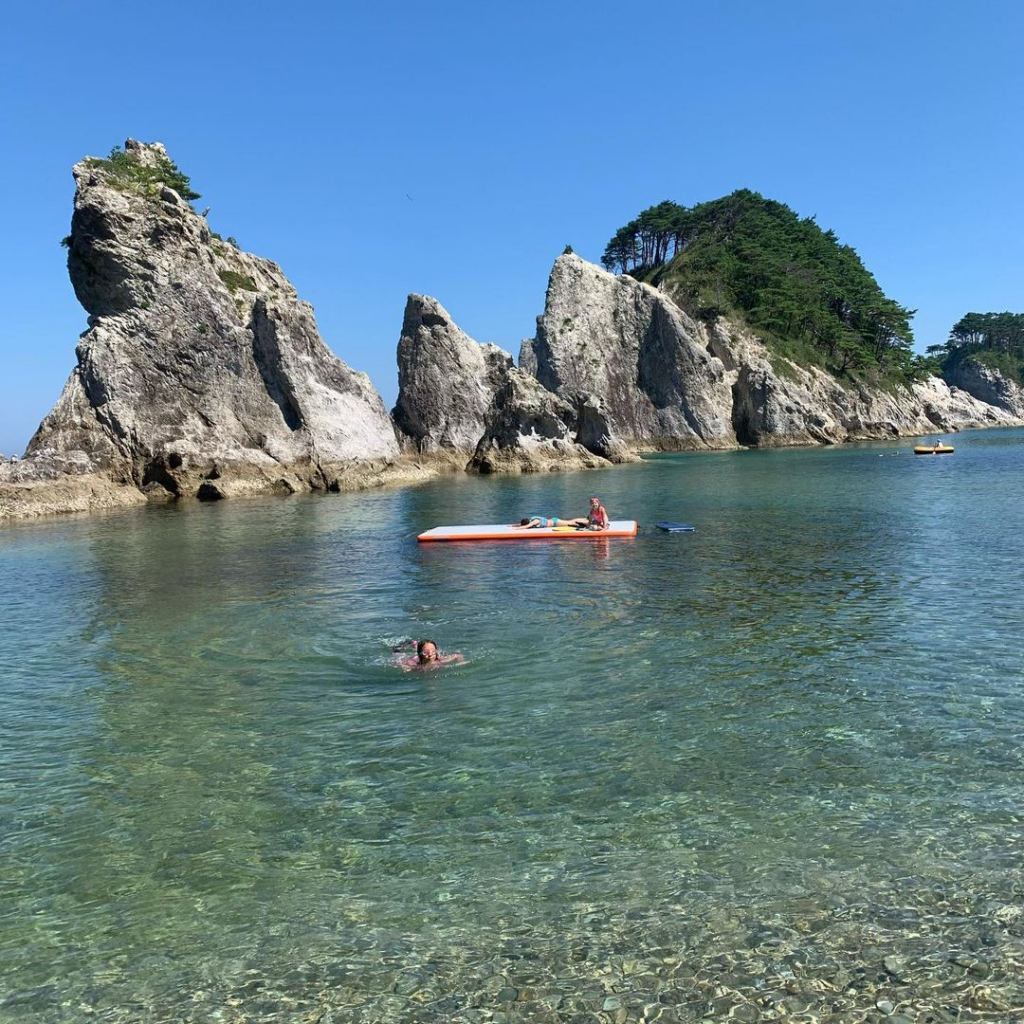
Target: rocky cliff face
202 372
777 404
664 381
988 386
625 348
446 381
529 430
465 403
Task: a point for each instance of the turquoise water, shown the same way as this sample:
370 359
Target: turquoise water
705 772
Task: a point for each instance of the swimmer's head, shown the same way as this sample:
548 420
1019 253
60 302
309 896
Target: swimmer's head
524 522
426 651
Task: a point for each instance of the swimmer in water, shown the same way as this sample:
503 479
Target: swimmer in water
427 656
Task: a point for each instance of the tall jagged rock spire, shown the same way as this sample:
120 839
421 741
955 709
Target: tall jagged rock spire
628 350
460 400
202 370
446 380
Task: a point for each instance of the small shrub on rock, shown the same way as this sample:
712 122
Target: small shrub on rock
236 281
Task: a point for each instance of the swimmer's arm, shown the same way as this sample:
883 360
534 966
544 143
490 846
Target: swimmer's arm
449 659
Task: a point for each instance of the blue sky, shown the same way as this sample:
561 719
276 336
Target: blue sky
516 128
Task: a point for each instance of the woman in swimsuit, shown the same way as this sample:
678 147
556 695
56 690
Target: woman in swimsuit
543 523
598 517
427 656
596 520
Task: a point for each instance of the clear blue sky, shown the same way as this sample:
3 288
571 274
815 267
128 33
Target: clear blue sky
516 128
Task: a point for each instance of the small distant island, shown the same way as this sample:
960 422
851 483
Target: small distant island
732 323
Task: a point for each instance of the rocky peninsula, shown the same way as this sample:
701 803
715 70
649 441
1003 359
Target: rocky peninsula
202 374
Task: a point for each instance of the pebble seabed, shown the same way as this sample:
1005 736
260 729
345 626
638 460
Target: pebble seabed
915 952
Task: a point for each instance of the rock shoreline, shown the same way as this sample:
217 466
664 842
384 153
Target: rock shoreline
203 375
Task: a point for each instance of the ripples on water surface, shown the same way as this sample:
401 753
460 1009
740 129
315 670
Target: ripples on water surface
772 767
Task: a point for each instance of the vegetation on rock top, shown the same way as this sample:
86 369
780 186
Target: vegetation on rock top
809 297
995 340
126 172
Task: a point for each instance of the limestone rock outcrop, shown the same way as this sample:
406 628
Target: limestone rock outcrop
530 429
446 381
201 371
626 348
987 385
203 374
951 408
664 381
778 404
466 404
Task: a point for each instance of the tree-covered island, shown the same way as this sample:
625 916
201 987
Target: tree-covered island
807 295
995 340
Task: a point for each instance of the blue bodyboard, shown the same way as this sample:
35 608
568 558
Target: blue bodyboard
675 527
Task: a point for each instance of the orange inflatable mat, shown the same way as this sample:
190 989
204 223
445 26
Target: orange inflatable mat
616 528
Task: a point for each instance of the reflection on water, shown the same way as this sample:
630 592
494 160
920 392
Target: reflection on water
707 772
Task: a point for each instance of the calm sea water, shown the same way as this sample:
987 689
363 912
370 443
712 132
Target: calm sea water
795 733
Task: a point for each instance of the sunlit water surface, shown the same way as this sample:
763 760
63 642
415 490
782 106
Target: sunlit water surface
777 748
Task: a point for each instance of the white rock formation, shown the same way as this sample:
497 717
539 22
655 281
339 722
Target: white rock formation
630 350
202 371
988 386
776 403
530 430
446 380
664 381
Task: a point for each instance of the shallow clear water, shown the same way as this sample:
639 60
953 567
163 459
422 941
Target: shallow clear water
781 748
